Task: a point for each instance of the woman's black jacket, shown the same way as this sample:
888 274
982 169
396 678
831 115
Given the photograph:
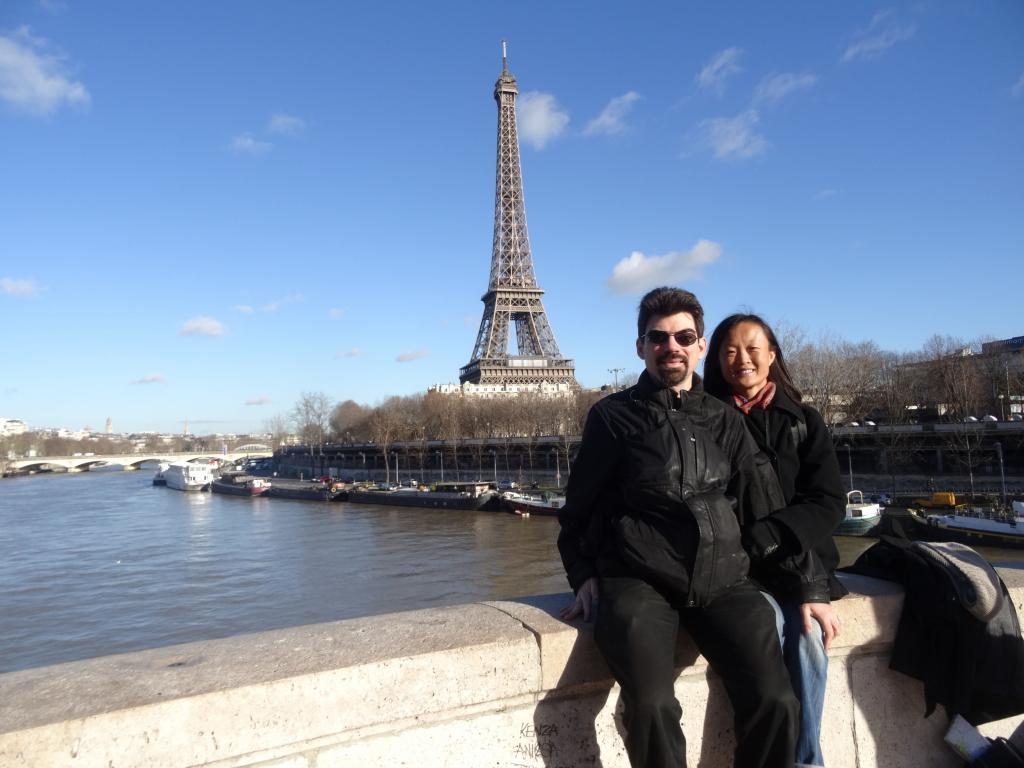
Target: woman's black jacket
805 462
659 489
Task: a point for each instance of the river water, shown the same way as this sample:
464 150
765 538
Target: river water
104 562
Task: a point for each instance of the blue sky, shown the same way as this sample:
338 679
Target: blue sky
209 208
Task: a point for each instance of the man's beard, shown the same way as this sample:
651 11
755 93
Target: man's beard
672 377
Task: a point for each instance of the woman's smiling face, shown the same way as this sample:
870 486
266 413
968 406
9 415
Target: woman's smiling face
746 357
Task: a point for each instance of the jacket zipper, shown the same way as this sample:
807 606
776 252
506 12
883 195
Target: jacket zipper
698 592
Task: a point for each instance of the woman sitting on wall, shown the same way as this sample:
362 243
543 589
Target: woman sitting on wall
745 367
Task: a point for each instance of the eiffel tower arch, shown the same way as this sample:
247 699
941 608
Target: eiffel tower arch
513 298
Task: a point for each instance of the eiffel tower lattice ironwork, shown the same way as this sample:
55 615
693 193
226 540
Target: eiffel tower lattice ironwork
513 297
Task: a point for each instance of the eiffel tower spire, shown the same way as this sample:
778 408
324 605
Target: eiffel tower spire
513 298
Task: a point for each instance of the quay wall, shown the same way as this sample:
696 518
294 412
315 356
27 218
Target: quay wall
501 683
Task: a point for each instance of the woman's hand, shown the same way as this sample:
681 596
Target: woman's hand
586 597
827 618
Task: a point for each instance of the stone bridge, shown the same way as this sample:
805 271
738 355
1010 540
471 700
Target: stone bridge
128 461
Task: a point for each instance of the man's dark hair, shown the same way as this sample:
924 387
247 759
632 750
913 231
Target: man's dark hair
665 301
714 381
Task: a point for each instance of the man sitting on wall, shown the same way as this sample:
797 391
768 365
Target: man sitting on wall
663 479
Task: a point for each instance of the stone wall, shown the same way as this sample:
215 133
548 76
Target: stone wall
501 684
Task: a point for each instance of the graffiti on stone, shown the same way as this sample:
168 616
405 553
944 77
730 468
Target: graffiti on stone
541 745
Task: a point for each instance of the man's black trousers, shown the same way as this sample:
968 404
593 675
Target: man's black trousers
636 630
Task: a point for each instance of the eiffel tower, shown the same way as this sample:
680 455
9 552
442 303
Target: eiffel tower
513 297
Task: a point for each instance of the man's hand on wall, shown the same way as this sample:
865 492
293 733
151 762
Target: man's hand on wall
585 602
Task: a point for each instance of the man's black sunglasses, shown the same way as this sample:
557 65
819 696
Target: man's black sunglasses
683 338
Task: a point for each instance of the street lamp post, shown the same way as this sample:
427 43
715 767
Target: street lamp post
615 372
1002 473
441 457
849 461
494 454
396 468
558 470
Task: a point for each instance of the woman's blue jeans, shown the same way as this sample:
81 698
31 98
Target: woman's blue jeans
807 663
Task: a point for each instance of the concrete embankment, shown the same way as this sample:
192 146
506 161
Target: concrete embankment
488 684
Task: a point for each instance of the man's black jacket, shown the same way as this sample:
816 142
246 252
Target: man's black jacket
660 488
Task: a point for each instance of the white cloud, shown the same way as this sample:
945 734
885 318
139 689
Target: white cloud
354 352
406 357
734 137
612 119
638 272
1018 87
540 118
883 33
247 144
276 304
201 326
336 312
150 378
724 65
33 80
53 6
14 287
773 88
245 309
286 125
261 400
469 320
824 194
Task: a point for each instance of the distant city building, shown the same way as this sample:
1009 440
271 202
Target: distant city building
1016 344
469 389
12 427
70 434
513 298
109 429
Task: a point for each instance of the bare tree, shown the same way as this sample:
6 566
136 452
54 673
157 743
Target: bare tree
277 427
792 338
384 424
961 386
443 414
895 393
311 417
818 372
836 375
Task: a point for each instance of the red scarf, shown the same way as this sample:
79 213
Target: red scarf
761 400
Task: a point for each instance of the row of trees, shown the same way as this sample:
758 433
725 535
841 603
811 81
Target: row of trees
846 381
316 421
947 379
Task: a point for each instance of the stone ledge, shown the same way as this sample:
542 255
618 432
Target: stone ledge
202 702
493 683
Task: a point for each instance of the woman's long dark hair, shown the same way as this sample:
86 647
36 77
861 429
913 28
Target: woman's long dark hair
714 381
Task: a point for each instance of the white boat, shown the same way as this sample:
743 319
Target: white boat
861 516
186 476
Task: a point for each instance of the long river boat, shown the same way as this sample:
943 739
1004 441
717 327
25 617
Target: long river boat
472 496
971 529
